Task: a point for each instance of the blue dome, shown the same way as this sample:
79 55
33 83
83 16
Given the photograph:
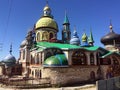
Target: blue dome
10 59
75 39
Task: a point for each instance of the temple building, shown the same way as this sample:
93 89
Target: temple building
70 60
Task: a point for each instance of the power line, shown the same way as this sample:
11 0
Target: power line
10 2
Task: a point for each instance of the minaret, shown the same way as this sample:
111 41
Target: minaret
66 34
90 39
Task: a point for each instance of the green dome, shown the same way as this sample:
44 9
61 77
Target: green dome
56 61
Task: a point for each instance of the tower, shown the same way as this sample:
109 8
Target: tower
46 27
66 34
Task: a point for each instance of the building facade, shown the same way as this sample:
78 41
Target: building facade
66 61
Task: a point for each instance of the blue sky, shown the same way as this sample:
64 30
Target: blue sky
18 16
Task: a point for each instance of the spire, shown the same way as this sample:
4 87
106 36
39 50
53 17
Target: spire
90 39
46 2
66 20
111 27
47 10
10 49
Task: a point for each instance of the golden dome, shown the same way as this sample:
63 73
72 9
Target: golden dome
46 22
47 8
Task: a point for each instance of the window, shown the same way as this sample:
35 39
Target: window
51 36
37 59
32 60
23 54
115 61
48 54
79 58
38 36
91 59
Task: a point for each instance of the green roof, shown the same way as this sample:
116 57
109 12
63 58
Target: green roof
44 45
57 45
91 48
109 53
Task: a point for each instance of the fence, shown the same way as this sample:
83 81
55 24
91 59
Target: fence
26 83
109 84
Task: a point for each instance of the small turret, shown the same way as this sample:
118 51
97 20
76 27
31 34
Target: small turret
90 39
66 34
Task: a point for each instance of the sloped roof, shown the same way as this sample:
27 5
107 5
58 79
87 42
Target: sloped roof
57 45
109 53
43 45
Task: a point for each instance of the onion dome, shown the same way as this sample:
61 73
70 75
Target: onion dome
46 8
23 43
9 60
46 21
58 60
84 40
111 37
75 39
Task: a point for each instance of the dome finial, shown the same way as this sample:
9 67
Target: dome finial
111 27
46 2
47 10
10 49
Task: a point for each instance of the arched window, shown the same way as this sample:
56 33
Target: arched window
23 54
115 61
51 36
48 54
37 59
79 58
38 36
97 59
92 59
32 60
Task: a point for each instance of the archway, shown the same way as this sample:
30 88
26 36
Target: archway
79 58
